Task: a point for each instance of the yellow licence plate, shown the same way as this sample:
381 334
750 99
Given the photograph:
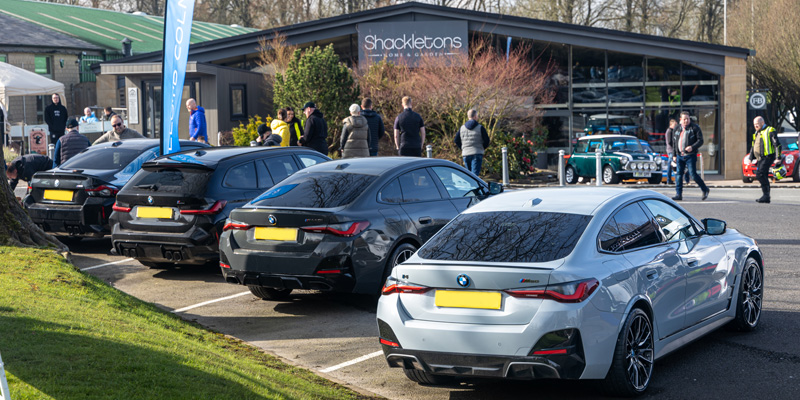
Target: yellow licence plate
153 212
60 195
271 233
468 299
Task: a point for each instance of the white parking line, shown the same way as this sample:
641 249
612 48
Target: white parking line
351 362
107 264
209 302
709 202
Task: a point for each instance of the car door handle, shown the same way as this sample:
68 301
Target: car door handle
425 220
652 275
692 262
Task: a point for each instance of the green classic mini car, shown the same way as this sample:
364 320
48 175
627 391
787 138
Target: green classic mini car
623 158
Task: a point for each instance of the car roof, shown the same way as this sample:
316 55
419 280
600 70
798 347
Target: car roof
213 156
570 200
608 116
587 137
788 134
136 144
375 165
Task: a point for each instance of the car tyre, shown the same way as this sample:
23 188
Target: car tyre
747 179
400 254
570 176
265 293
426 378
654 179
796 173
632 365
750 297
609 177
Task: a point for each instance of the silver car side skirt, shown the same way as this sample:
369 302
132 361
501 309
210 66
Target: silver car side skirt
679 339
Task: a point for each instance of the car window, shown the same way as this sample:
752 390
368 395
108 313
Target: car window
391 193
136 164
418 185
507 236
674 224
594 144
457 183
635 228
610 239
788 142
264 179
112 158
308 160
241 177
280 167
325 189
621 144
582 146
159 179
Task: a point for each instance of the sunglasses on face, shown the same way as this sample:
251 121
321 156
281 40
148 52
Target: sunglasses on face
116 125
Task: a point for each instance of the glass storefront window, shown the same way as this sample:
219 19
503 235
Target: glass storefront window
625 80
706 118
663 84
588 77
700 88
554 57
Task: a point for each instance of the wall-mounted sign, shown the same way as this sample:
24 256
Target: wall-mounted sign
758 101
409 42
38 141
133 105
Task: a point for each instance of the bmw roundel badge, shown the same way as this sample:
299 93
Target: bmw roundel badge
56 183
149 199
463 280
272 220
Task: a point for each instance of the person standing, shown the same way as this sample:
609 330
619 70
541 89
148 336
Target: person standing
108 113
765 147
266 137
88 116
409 131
669 137
118 132
197 122
280 127
23 167
375 124
55 116
472 139
355 134
315 134
686 144
70 144
295 126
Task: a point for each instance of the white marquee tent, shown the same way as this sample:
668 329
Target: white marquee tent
16 81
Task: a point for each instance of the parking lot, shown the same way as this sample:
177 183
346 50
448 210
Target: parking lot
336 335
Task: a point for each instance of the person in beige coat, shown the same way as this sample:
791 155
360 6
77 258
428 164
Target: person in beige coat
355 134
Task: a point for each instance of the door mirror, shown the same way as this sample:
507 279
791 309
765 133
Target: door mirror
495 188
714 226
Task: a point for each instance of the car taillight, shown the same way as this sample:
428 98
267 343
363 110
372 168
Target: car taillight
231 225
570 292
348 229
389 342
392 285
223 265
102 191
215 209
119 208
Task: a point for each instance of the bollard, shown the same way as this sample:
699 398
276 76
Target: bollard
429 151
702 169
51 151
599 165
561 179
505 166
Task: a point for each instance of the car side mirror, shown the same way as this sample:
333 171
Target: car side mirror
495 188
714 226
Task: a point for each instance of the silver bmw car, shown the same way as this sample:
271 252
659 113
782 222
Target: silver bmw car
568 283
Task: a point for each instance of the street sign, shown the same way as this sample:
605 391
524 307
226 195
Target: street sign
758 101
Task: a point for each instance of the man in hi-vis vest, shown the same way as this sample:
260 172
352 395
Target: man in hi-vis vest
763 152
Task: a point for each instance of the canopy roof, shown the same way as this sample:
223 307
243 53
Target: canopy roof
15 81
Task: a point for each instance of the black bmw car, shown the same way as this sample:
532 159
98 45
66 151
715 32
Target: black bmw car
173 210
76 198
343 225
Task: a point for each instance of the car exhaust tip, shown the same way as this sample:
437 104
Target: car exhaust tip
168 255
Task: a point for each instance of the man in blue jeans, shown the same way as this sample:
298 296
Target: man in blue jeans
687 141
472 139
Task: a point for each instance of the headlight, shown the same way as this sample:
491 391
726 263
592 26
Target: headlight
658 160
789 159
624 161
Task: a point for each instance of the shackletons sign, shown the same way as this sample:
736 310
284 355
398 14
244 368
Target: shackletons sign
408 42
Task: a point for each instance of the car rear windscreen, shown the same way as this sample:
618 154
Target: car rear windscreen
316 190
519 236
107 158
187 181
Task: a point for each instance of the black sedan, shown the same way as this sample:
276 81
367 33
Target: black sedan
76 198
343 225
173 210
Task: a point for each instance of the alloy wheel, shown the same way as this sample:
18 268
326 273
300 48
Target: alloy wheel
752 284
403 255
607 175
639 352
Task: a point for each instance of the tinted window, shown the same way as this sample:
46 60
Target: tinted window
107 158
418 186
623 144
264 179
518 236
610 237
308 160
241 177
316 190
674 224
391 193
187 181
280 167
635 228
457 183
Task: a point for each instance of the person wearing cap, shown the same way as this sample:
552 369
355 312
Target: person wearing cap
315 134
70 144
118 132
355 134
266 137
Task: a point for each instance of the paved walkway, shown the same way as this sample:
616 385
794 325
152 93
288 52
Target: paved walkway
713 181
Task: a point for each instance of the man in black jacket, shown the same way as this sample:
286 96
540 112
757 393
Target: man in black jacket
316 131
55 116
687 141
409 131
23 167
70 144
375 124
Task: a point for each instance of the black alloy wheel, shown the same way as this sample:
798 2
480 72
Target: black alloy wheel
750 298
632 366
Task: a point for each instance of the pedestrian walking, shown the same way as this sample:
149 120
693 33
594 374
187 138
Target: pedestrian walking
409 131
55 116
23 167
70 144
355 140
118 132
472 139
375 124
765 147
197 122
280 127
686 144
315 134
295 126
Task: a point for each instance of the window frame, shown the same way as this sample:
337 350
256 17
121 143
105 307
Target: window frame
234 87
229 170
48 65
649 216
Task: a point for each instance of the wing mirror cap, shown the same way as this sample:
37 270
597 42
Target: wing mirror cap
495 188
714 226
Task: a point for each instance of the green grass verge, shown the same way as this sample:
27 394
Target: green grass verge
67 335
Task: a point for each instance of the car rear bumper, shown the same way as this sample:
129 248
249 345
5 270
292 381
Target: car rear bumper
341 282
77 220
195 247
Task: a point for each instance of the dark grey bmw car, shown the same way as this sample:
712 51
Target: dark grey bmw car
343 225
